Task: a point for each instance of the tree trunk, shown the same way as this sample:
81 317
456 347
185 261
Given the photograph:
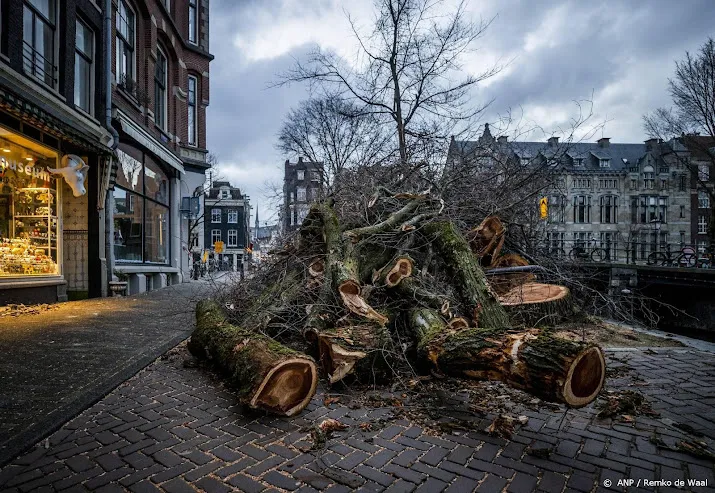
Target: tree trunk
535 361
503 283
267 374
480 302
536 304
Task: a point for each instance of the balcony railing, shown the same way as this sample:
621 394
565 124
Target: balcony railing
35 64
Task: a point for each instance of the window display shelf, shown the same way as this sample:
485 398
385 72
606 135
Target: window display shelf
36 216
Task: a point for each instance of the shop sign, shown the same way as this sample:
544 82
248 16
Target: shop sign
28 169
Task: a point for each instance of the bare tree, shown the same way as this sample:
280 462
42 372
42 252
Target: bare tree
333 131
408 72
691 121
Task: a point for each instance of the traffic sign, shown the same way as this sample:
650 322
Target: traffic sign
218 247
544 208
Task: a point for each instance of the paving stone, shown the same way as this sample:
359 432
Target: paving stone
403 473
522 483
462 485
177 485
375 475
281 481
434 456
79 463
401 486
492 483
211 485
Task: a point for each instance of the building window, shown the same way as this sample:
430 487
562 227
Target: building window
191 100
582 209
38 49
233 216
301 175
233 237
582 183
648 178
302 213
605 163
160 71
608 183
555 242
682 239
702 225
301 195
193 22
634 184
703 200
125 46
83 56
216 216
215 236
703 172
702 246
652 209
682 211
578 162
141 212
664 184
610 244
609 209
314 176
681 183
557 209
225 194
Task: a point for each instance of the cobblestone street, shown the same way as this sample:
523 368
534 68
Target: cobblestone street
176 428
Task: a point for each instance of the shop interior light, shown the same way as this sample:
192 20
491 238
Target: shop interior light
29 158
6 150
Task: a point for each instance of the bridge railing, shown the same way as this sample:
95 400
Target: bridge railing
625 252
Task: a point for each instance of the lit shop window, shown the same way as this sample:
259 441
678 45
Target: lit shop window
28 211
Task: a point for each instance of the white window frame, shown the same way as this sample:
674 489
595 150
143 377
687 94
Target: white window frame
702 225
225 194
216 216
604 163
215 236
118 69
232 216
315 176
301 194
192 113
232 233
703 172
301 175
703 200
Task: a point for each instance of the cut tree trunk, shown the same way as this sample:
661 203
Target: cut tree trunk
480 301
537 304
503 283
353 349
532 360
487 239
267 374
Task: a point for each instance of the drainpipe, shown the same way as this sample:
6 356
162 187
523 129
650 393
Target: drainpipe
108 202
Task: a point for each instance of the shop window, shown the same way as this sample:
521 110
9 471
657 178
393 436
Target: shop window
83 57
29 208
38 37
141 212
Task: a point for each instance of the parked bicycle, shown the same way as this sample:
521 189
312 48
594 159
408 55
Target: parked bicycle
583 253
685 257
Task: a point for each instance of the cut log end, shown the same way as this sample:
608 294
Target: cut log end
585 378
288 387
534 293
401 270
350 293
317 268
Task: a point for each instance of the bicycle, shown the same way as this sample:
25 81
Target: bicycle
685 257
581 253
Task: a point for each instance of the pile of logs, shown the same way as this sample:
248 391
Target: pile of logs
404 284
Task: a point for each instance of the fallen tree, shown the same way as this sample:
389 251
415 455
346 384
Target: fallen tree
361 296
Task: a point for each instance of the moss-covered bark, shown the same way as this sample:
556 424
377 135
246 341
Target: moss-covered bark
266 374
356 349
479 301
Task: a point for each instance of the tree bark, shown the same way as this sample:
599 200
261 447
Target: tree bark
266 374
480 302
532 360
353 349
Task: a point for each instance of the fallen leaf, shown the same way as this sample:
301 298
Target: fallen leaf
329 425
330 400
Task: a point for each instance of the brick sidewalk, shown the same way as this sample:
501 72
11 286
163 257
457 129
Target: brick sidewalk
178 429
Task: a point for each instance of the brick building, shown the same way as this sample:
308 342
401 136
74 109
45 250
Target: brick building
52 102
226 218
301 186
160 91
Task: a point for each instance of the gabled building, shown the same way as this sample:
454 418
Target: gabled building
302 185
226 218
628 199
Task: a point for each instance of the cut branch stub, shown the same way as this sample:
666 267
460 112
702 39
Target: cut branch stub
535 361
354 349
267 374
394 272
317 268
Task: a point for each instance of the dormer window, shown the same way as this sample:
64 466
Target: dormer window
225 194
605 163
525 160
578 161
301 175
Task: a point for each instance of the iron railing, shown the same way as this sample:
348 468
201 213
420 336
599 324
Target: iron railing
38 66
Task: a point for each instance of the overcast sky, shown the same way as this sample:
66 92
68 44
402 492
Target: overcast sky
621 52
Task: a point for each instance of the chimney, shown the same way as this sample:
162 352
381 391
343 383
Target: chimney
650 144
553 141
287 162
300 159
604 142
502 139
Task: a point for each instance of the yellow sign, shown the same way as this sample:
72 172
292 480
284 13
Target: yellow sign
205 256
218 247
544 208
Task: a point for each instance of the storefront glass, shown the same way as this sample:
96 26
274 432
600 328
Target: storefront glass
29 208
141 218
